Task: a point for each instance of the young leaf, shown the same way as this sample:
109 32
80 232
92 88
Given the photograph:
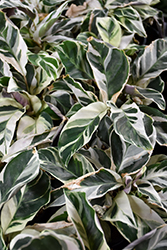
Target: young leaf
109 66
27 125
85 220
80 128
109 29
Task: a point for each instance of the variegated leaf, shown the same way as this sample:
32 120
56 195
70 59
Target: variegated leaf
129 124
152 95
13 49
144 212
96 184
21 170
146 11
127 158
151 63
156 174
82 95
97 156
50 162
106 72
60 102
46 239
2 242
27 125
130 19
109 30
31 141
47 23
80 128
85 220
121 215
146 189
100 182
73 57
155 239
22 207
4 70
47 62
10 112
160 123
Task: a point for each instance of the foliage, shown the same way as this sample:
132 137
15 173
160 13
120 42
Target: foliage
82 110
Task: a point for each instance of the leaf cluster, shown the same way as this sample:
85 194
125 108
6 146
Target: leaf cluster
82 110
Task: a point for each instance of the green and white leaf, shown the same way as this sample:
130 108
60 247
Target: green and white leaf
144 212
160 123
19 171
152 95
155 239
147 189
151 63
28 125
157 174
47 22
48 63
130 19
97 156
46 239
73 57
84 97
121 215
30 141
106 72
129 125
85 220
10 112
13 49
99 183
22 207
126 157
109 30
50 162
80 128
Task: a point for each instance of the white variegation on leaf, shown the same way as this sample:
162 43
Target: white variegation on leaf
129 125
109 29
10 112
33 196
106 72
13 49
21 170
151 63
89 230
80 128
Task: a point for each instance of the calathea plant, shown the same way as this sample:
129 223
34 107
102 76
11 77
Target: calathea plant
82 109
